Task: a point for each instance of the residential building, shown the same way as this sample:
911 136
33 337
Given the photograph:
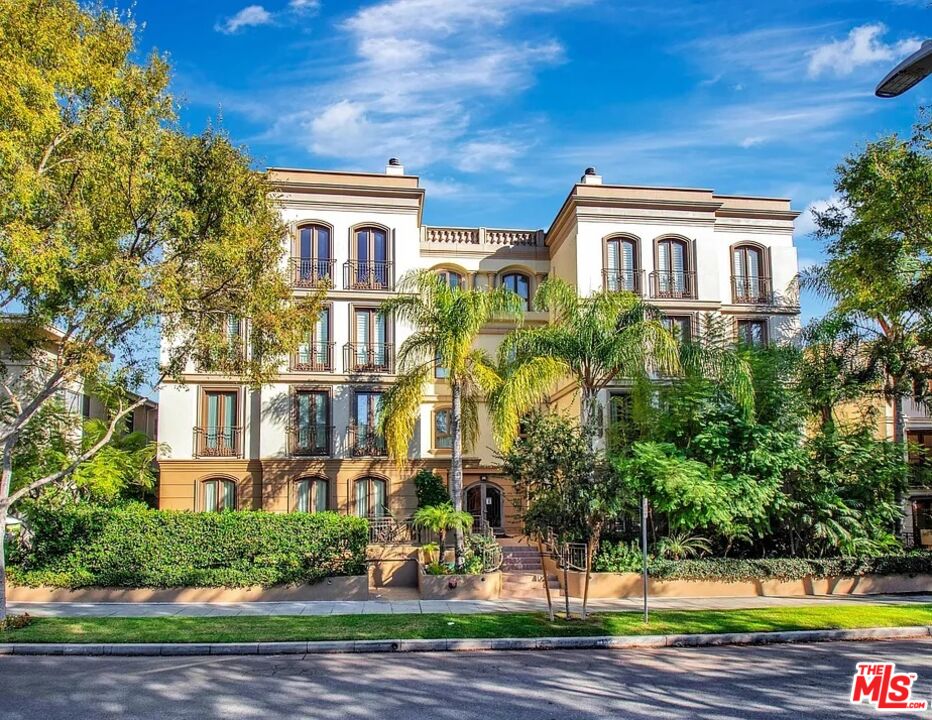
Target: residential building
21 372
307 441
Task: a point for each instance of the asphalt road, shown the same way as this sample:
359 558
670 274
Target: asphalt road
782 681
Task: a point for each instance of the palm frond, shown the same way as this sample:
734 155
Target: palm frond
399 411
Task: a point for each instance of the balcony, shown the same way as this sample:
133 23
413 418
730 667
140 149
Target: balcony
212 442
673 285
314 357
367 275
364 441
311 273
371 358
751 290
311 441
623 280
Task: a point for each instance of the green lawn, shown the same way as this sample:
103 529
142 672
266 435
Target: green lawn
374 627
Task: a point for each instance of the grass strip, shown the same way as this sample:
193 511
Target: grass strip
519 625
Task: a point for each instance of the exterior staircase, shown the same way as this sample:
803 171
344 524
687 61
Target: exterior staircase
522 573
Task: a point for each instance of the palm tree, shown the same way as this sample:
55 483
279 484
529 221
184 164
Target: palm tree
446 322
594 340
441 519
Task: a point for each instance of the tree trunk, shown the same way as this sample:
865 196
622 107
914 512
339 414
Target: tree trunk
899 435
585 596
588 416
543 567
456 465
566 586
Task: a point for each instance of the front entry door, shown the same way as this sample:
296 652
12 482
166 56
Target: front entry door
485 501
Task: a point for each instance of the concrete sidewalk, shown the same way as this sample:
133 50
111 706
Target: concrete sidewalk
402 602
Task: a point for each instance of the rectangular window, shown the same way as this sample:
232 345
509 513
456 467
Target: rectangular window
370 339
365 423
314 353
443 437
752 332
220 415
312 422
680 326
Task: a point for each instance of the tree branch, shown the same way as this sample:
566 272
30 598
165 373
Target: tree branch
83 457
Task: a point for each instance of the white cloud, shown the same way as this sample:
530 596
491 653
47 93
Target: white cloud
805 223
249 16
422 78
863 46
305 6
751 141
484 155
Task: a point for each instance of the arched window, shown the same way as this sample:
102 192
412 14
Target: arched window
443 433
673 277
314 261
370 268
520 284
622 271
452 278
312 495
749 283
218 494
371 498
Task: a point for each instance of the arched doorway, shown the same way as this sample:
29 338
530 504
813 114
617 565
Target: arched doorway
484 501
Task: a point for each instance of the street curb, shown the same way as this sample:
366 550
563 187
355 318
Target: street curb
464 645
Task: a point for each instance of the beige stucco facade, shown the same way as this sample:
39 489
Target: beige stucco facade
371 231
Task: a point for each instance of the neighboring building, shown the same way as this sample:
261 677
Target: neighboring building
72 396
307 441
917 522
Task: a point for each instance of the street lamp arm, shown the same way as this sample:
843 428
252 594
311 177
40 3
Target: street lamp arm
908 73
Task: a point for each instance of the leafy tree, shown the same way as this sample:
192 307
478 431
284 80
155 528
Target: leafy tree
114 222
446 321
571 492
430 489
878 239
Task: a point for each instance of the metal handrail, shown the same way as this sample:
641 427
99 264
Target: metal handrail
218 442
311 272
367 275
364 441
615 279
314 440
751 289
673 285
319 358
369 358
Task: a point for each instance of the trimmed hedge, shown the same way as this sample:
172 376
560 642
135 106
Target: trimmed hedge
736 570
87 546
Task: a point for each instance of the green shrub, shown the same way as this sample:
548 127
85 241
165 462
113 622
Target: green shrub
626 558
85 546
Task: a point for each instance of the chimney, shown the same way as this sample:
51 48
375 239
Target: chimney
590 178
394 167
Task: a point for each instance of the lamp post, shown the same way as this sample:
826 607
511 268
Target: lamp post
644 552
908 73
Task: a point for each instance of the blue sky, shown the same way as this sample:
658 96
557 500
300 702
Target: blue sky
499 105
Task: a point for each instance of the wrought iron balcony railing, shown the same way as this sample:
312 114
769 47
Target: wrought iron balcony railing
313 357
367 275
673 285
218 442
751 289
365 441
369 358
311 272
623 280
314 440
